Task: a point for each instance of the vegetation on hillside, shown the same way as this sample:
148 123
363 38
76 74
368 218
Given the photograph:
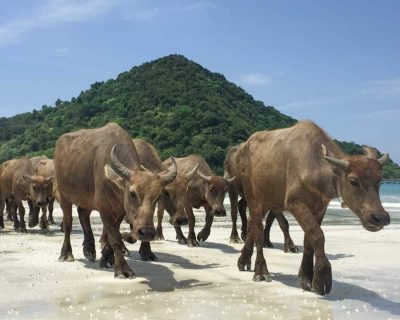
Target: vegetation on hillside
172 102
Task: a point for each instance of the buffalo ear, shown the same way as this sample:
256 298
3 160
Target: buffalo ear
114 177
27 178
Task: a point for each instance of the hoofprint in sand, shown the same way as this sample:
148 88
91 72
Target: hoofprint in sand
197 283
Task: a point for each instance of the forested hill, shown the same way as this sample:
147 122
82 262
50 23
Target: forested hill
172 102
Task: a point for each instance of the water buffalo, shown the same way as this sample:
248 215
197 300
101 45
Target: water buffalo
44 167
99 169
300 169
20 182
235 190
205 189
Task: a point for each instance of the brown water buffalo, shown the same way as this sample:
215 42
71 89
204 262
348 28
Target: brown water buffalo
44 167
235 190
205 189
300 169
19 182
173 195
99 169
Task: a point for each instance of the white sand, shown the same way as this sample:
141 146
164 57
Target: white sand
198 283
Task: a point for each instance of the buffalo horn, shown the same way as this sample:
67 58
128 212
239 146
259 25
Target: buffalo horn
343 164
383 159
170 175
192 172
204 177
118 167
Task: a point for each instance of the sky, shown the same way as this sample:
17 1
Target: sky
333 62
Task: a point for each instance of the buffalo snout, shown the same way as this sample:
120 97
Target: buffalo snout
377 221
146 234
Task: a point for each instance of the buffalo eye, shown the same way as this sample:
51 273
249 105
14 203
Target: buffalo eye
354 182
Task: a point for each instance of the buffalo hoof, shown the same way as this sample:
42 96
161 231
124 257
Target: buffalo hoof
235 238
290 247
203 235
45 231
243 235
125 251
22 228
159 236
262 277
268 244
123 272
33 222
67 257
148 256
322 280
306 284
182 240
16 226
244 264
9 217
1 221
89 252
44 225
127 237
50 221
107 258
191 242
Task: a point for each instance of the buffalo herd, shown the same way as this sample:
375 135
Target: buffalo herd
297 169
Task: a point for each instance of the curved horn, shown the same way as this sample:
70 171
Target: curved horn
143 168
192 172
118 167
170 175
342 164
226 177
383 159
369 152
204 177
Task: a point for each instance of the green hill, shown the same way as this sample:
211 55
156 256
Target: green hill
172 102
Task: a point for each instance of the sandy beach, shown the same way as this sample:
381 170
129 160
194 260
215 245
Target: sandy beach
197 283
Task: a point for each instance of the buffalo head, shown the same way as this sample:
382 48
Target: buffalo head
358 180
40 189
141 192
174 197
217 187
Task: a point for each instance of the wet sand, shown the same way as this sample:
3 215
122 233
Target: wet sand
198 283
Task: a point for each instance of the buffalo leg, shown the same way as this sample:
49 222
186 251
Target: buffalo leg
2 205
33 215
145 252
160 215
50 219
180 236
13 211
107 253
44 226
66 250
242 205
244 261
21 211
289 245
205 232
8 210
121 268
191 239
233 197
319 276
269 220
89 249
260 267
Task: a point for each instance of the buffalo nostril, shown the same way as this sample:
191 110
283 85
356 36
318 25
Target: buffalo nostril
182 221
375 218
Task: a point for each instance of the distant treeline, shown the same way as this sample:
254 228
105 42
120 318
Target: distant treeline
172 102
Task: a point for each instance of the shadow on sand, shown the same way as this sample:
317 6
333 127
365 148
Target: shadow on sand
158 277
342 290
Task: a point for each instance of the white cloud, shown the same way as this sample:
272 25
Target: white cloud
53 12
255 79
